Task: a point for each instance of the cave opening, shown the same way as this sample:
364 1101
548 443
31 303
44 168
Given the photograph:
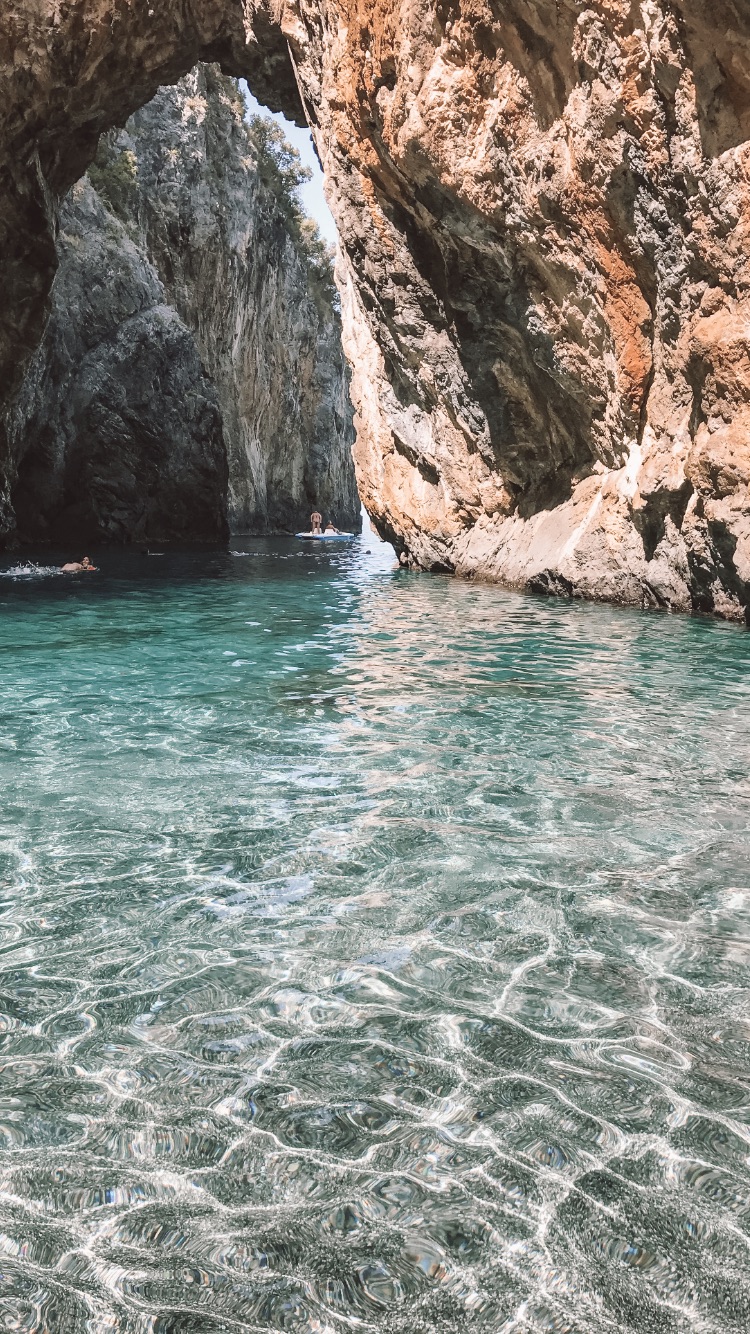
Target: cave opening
190 383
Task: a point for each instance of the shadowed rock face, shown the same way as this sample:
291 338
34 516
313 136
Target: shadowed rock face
117 432
191 377
546 253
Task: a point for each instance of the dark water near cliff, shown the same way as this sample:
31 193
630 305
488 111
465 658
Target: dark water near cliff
374 955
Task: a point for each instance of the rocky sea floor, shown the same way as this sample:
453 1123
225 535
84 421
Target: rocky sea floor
374 954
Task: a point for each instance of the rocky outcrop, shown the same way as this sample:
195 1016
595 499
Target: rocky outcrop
573 261
546 257
191 375
117 433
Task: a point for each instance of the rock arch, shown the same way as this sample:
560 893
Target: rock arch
546 253
69 72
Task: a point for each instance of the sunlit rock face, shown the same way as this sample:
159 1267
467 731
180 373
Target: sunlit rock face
191 378
544 213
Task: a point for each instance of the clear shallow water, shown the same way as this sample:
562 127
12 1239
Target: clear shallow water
373 955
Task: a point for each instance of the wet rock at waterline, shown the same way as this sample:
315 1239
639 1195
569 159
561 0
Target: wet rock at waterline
191 377
546 258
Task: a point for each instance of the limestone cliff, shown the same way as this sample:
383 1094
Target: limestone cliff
117 433
192 371
557 393
546 267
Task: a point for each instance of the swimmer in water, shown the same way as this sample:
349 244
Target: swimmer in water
79 567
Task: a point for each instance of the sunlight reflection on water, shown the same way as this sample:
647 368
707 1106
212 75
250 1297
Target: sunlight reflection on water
374 954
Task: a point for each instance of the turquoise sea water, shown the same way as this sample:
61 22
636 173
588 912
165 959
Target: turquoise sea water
374 954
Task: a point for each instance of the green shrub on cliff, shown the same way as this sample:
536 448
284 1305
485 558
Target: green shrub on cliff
281 171
320 260
113 174
279 165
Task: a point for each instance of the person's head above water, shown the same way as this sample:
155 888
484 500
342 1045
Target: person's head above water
79 566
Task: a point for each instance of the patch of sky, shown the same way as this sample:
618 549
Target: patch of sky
311 193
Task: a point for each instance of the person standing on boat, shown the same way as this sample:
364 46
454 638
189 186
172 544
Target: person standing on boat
316 523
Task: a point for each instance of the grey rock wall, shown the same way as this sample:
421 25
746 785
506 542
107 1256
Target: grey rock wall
191 379
117 431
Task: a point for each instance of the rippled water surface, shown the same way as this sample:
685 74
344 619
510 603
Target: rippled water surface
373 954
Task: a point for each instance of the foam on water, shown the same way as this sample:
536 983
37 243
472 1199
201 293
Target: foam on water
29 570
373 955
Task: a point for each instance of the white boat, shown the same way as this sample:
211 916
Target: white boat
325 537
